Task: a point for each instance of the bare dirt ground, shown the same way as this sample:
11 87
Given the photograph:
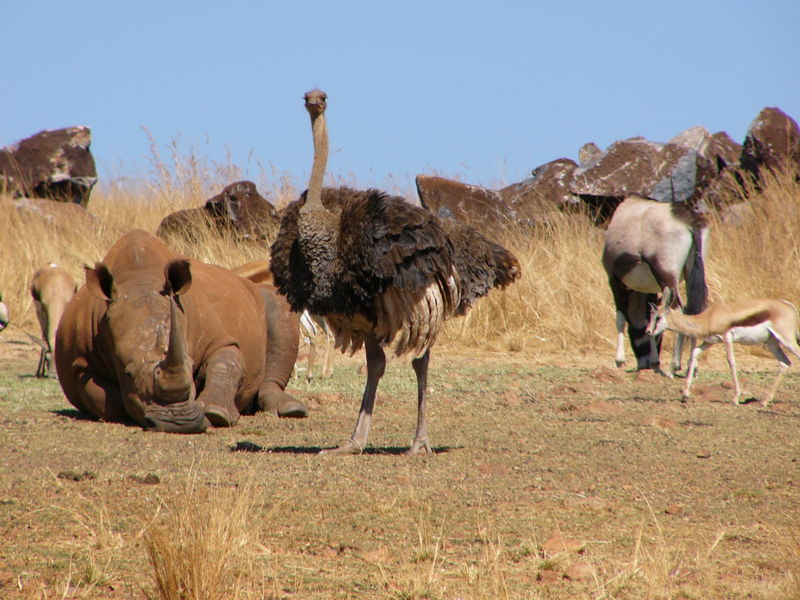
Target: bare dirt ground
554 476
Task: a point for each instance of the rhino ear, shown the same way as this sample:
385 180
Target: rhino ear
177 277
99 281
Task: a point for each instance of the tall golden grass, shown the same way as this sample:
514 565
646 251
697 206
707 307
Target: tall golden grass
202 545
561 302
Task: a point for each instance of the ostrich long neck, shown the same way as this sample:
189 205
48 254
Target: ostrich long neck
320 134
317 228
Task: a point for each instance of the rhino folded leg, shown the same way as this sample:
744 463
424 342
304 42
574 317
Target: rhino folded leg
223 375
283 340
272 399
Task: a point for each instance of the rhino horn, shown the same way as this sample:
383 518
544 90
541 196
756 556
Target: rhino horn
174 376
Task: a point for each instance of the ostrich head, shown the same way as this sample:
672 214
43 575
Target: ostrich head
316 103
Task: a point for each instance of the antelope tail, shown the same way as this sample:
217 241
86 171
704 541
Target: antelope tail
696 287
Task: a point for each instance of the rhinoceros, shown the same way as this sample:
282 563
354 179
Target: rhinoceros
173 343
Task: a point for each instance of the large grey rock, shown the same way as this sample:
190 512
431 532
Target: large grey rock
53 164
636 166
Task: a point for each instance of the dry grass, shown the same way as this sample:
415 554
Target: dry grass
202 544
526 447
212 541
760 254
561 302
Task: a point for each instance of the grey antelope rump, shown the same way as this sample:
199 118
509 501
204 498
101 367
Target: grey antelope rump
650 246
52 288
763 321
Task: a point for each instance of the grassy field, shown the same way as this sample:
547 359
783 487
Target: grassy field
555 476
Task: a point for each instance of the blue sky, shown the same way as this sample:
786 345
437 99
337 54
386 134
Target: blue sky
484 91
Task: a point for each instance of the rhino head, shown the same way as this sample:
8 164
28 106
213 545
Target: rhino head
145 329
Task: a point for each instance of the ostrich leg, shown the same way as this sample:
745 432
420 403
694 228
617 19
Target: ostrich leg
421 437
376 365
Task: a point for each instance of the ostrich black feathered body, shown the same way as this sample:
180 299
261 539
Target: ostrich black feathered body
374 264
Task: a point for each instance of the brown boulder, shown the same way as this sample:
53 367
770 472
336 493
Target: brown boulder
60 216
548 189
450 199
523 203
53 164
717 148
636 166
238 210
726 189
772 143
589 153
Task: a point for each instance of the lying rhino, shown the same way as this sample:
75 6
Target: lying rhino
173 343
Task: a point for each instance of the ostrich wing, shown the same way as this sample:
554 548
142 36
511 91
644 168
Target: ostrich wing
388 242
481 264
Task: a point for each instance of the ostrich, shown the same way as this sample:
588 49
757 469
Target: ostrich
384 273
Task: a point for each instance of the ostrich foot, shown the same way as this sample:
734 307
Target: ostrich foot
419 447
348 447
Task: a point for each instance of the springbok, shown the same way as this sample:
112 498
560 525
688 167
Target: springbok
309 326
52 288
650 246
763 321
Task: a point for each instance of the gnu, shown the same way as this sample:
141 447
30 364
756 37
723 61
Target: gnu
650 246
